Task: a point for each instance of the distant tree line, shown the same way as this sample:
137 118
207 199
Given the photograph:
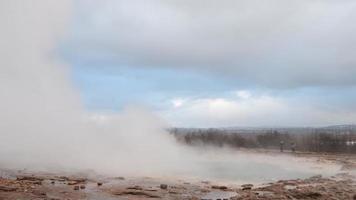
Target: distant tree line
307 140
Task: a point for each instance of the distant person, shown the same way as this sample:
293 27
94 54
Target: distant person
281 145
293 146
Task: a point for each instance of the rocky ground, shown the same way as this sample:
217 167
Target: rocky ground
27 185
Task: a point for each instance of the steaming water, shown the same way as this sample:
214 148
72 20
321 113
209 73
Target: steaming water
257 168
44 125
243 170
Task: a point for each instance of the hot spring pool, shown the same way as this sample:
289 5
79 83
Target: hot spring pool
253 167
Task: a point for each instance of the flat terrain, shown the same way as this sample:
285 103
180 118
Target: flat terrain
39 185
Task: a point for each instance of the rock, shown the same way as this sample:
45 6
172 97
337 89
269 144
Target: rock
246 186
136 187
99 184
220 187
72 183
39 193
82 187
76 187
306 195
75 181
163 186
7 188
29 178
151 190
32 179
136 192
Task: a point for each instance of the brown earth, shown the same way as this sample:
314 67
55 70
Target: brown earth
26 185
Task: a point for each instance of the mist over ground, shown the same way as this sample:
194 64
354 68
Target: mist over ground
90 93
43 122
45 126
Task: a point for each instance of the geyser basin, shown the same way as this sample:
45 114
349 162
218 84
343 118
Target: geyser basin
239 166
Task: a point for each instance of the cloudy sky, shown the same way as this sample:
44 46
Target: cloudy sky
213 63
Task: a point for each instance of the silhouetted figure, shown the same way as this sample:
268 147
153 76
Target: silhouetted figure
281 145
293 146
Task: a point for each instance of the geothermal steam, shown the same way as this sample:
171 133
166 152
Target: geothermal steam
43 123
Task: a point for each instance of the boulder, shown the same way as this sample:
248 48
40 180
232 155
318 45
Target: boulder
163 186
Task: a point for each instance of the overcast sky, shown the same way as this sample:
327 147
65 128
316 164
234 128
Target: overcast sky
208 63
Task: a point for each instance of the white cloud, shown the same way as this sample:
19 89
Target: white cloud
257 110
178 102
275 43
294 44
243 94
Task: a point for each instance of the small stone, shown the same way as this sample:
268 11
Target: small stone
76 187
29 178
39 193
136 187
72 183
246 186
163 186
100 184
7 188
82 187
220 187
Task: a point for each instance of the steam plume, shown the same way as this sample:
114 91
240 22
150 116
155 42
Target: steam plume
43 123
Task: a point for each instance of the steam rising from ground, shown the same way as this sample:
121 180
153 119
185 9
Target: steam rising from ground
42 122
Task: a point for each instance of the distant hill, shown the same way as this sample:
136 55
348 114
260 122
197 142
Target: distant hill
345 128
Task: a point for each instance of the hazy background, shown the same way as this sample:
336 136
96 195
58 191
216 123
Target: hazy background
60 58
